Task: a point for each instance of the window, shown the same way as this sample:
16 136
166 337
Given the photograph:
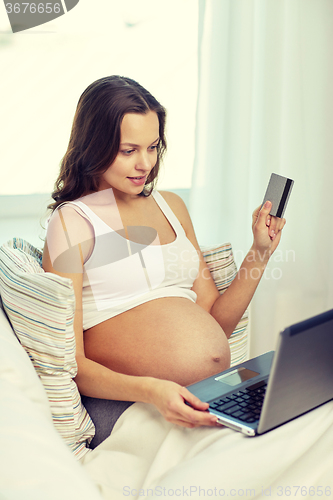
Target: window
45 69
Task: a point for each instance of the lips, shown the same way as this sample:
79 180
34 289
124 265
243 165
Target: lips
138 180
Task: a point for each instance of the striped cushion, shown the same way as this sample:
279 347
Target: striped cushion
220 261
40 307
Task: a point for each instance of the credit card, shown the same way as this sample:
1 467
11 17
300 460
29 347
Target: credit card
278 192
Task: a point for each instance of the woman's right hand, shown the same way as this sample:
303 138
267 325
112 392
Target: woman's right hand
170 400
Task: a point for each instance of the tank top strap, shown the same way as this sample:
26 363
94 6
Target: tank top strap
176 225
85 209
99 226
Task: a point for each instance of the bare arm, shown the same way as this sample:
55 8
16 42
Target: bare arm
229 307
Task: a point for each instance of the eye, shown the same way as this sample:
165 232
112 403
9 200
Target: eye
127 152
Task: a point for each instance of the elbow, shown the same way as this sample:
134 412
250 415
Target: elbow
228 331
228 325
80 371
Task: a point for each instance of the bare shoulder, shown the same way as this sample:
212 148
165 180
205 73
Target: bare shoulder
70 218
178 206
171 197
69 227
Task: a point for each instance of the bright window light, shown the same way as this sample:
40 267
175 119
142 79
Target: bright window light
45 69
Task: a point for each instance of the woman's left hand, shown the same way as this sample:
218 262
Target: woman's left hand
266 230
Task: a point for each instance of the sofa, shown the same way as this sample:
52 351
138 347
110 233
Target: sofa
45 430
35 462
37 367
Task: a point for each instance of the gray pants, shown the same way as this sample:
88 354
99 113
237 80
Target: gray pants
104 413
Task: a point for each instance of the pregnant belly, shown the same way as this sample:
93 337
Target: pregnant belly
170 338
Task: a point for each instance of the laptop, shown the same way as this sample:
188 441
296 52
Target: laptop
262 393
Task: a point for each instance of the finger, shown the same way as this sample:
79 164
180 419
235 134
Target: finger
189 425
197 417
209 421
265 209
194 401
273 227
196 414
276 225
263 214
189 414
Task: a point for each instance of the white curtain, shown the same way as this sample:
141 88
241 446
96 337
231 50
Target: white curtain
265 105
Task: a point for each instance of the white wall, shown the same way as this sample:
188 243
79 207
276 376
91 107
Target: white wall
25 216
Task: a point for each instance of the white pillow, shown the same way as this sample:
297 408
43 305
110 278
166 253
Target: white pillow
40 307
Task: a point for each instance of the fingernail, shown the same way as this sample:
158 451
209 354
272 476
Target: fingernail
272 233
267 204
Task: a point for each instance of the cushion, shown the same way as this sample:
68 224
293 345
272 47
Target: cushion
40 307
35 463
220 261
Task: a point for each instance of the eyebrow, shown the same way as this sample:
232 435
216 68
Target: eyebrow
136 145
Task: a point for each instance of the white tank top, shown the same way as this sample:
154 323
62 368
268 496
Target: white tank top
121 274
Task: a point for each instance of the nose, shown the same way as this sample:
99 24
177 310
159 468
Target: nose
144 162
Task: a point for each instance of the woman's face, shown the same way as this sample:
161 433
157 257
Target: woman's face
139 137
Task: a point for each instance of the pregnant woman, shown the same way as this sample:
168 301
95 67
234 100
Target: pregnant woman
149 319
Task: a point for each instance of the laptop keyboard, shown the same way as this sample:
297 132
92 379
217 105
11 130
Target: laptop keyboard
245 404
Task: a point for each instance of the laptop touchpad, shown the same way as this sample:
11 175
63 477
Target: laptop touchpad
237 376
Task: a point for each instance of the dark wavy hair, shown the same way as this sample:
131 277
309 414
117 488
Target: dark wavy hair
95 136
